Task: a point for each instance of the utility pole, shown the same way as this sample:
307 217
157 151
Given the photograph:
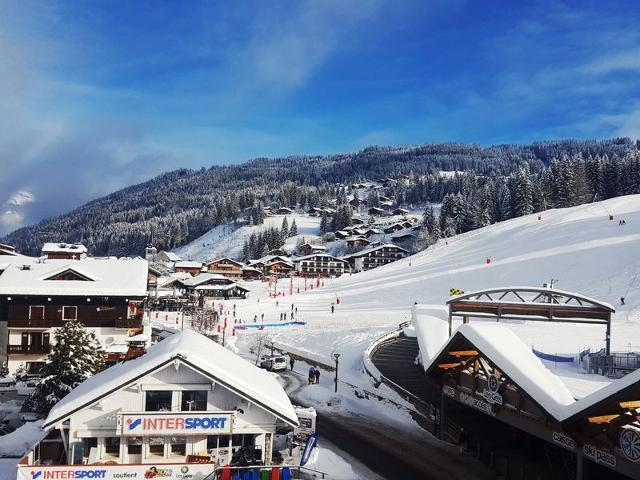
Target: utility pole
336 356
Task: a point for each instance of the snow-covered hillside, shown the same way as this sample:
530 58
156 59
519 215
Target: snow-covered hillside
227 240
579 247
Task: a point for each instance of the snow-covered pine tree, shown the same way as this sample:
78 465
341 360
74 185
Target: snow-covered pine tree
523 193
284 230
323 224
293 231
75 356
429 218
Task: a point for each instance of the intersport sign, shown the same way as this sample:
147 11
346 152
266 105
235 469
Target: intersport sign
170 423
165 471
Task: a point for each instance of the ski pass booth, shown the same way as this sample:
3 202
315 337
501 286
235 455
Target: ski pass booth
179 411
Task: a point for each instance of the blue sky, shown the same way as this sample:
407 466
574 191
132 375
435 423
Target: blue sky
95 95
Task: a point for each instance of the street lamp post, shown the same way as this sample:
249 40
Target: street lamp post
336 356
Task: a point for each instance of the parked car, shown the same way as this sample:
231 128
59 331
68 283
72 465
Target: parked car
274 363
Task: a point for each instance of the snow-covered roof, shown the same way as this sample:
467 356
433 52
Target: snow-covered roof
226 259
221 287
188 264
198 352
513 357
171 256
202 278
64 248
316 255
431 323
104 277
373 249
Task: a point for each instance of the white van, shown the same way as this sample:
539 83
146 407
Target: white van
275 363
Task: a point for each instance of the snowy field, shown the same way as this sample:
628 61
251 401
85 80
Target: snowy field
227 240
579 247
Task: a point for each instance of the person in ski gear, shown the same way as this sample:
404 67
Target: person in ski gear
312 375
317 375
333 307
292 361
622 300
255 318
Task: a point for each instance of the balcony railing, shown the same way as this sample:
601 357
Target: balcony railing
128 322
29 349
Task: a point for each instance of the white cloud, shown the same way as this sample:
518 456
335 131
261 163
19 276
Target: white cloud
20 198
11 219
627 60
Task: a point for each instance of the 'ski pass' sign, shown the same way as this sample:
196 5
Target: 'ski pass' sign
168 423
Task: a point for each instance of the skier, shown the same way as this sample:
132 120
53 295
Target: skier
312 375
280 316
285 316
622 300
296 310
292 307
262 316
333 307
317 375
255 318
291 362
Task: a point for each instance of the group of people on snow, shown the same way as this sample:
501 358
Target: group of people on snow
314 375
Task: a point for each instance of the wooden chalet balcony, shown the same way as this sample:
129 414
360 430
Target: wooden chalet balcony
29 349
33 323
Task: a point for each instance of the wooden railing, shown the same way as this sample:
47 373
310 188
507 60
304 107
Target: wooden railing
29 349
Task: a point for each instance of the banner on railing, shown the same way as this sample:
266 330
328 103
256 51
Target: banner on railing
164 471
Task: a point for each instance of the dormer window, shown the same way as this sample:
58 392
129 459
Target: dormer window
70 274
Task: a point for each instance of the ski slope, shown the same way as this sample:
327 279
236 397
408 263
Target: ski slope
579 247
227 240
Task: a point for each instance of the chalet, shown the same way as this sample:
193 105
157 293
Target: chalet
382 198
7 249
167 257
369 232
213 285
273 265
321 264
153 275
394 228
356 202
308 249
225 266
251 273
357 221
341 234
106 295
64 251
358 231
187 406
375 257
278 252
376 211
284 211
188 266
358 241
314 212
401 211
386 205
327 211
403 238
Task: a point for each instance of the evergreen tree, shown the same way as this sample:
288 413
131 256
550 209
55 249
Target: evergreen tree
429 219
294 229
323 224
284 230
75 356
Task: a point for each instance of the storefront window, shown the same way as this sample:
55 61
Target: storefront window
112 446
134 445
194 400
178 446
158 401
87 445
156 446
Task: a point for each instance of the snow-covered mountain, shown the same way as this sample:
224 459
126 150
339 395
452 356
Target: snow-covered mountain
227 240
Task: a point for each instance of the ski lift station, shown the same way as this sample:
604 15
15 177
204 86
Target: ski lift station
179 411
481 378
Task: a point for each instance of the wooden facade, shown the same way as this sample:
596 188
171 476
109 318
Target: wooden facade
225 266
